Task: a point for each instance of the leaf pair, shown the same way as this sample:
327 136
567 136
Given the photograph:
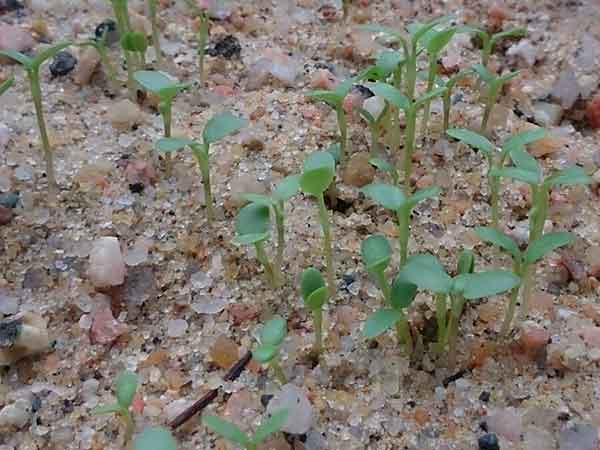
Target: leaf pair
427 273
398 99
270 338
318 173
126 387
285 190
391 197
233 433
160 84
313 288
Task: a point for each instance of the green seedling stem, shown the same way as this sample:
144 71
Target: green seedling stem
121 11
153 12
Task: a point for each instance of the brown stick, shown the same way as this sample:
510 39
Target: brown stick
232 374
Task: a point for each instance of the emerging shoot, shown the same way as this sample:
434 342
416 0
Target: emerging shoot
201 35
315 294
270 339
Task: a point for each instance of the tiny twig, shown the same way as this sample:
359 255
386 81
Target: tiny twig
232 374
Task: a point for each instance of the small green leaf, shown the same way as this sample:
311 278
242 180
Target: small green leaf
486 284
329 97
390 197
427 273
385 166
48 53
376 253
249 239
420 31
546 244
155 438
287 188
439 41
513 32
526 176
437 92
335 150
504 78
472 139
270 425
381 321
569 176
169 145
483 73
527 137
523 160
499 239
265 353
155 81
318 173
391 94
226 429
317 299
342 89
258 198
274 331
22 59
107 409
389 60
6 85
466 262
423 194
313 288
126 386
222 125
252 220
134 41
403 292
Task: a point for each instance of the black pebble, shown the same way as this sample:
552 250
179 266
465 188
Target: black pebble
10 5
136 188
485 396
226 46
265 399
107 26
9 200
489 442
63 63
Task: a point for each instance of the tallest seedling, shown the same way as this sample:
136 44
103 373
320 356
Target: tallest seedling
32 67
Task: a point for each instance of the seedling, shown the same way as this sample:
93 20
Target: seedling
496 160
152 12
232 432
6 85
318 173
410 108
489 41
155 438
270 339
527 170
32 68
494 87
376 255
201 35
121 11
426 272
392 197
535 251
126 387
447 97
165 88
335 99
136 43
288 187
252 228
315 294
217 128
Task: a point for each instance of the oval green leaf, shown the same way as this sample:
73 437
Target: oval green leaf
271 425
226 429
287 188
390 197
169 145
381 321
427 273
472 139
126 386
265 353
546 244
155 438
499 239
318 173
134 41
274 331
391 94
486 284
252 219
222 125
154 81
376 253
403 292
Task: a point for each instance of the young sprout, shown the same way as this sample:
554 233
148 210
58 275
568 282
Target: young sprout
201 35
270 339
155 438
121 12
527 170
410 108
376 255
288 187
165 88
535 251
489 41
335 99
152 12
392 197
232 432
318 173
426 272
252 228
494 87
447 97
496 160
216 128
136 43
32 68
315 293
126 387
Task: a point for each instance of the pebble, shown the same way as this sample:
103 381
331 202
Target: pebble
525 50
89 389
9 304
275 63
109 27
547 114
62 64
227 46
124 115
89 59
591 336
505 422
579 437
138 254
539 440
10 5
9 200
592 112
374 105
546 146
105 328
6 215
16 414
107 267
489 442
323 79
358 172
224 352
14 38
566 89
4 139
209 304
22 335
300 410
177 328
534 338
